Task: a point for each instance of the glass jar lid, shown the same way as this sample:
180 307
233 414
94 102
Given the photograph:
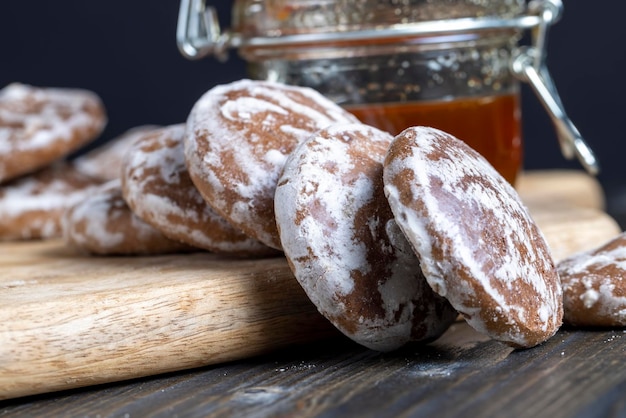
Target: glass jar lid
271 24
276 18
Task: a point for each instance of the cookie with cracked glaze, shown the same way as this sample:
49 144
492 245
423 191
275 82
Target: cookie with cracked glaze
41 125
477 244
157 187
594 285
238 138
32 206
344 247
103 224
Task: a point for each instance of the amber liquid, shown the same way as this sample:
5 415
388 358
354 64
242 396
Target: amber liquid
490 125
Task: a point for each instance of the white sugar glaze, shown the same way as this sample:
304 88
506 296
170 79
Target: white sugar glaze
447 189
247 129
309 173
41 199
40 125
26 195
262 172
157 187
324 191
601 275
103 223
96 213
61 113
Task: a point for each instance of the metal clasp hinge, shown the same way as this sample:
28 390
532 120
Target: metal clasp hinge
198 31
529 65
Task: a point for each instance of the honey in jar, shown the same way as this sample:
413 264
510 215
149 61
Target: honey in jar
490 125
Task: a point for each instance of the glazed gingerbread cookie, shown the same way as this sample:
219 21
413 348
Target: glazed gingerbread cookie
238 137
32 206
344 247
476 242
157 187
41 125
103 224
594 285
105 161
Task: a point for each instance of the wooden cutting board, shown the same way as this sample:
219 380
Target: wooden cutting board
68 320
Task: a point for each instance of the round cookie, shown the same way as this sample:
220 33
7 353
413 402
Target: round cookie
105 161
41 125
103 224
32 206
344 247
158 189
594 285
476 242
238 137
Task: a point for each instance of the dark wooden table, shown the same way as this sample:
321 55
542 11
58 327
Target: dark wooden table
577 373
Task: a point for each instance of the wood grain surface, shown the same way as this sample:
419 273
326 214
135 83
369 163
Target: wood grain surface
573 188
68 321
577 373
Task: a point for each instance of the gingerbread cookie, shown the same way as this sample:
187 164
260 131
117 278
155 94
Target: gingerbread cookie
41 125
344 247
32 206
476 242
105 161
157 187
594 285
103 224
238 137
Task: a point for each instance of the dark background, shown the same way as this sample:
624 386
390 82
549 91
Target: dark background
126 52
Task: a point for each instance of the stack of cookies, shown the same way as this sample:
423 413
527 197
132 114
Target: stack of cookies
38 129
390 237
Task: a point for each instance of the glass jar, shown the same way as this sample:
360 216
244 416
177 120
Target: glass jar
451 64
